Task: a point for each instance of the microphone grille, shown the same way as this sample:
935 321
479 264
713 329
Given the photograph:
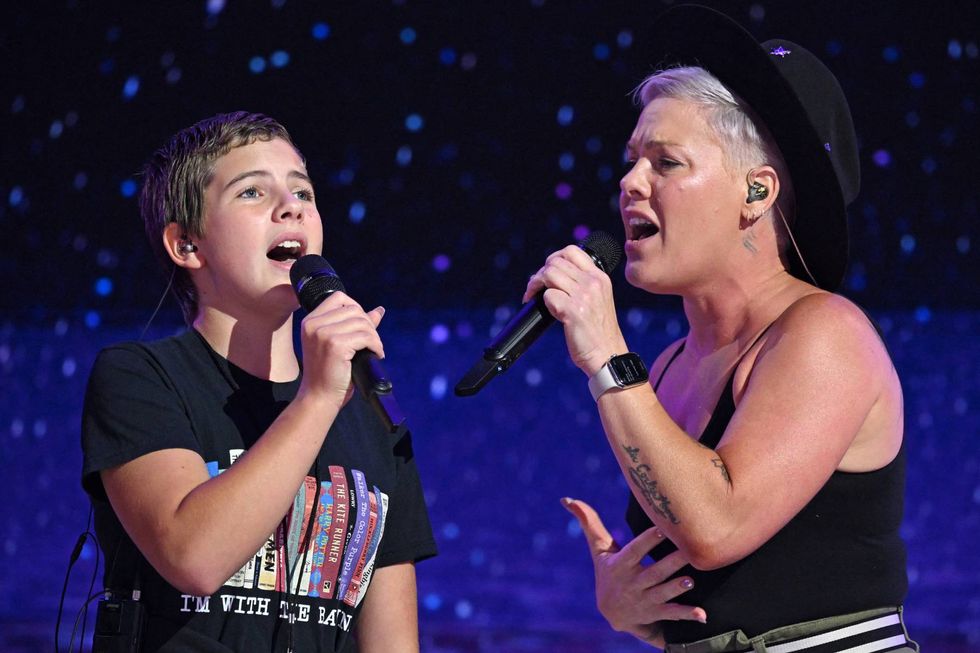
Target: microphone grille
604 250
313 280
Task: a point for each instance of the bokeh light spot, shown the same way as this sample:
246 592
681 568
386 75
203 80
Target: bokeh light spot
356 212
414 122
131 87
439 333
320 31
565 115
441 262
438 386
279 58
103 286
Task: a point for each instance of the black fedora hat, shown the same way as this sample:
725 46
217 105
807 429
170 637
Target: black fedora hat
802 105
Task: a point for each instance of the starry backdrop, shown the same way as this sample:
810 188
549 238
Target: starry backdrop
453 146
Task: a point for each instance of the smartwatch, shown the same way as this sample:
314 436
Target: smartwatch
623 371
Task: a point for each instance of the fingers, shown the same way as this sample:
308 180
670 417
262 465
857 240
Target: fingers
596 534
342 325
664 569
563 269
376 315
678 612
642 544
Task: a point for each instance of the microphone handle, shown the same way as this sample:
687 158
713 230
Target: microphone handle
369 377
373 384
523 329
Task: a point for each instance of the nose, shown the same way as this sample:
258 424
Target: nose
289 207
634 183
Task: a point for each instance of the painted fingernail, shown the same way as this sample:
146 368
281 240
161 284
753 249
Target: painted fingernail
687 583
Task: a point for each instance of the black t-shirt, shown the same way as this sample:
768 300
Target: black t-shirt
360 508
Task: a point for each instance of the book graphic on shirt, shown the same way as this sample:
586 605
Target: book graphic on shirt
304 583
375 544
350 596
267 566
321 537
297 544
357 540
342 498
280 557
234 455
243 577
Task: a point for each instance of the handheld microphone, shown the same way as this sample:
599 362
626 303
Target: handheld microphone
531 321
314 280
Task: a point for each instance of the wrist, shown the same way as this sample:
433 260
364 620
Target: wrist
618 372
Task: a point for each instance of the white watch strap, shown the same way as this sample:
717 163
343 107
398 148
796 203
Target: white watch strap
602 381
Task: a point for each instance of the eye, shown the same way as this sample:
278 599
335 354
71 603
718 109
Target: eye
249 193
305 194
667 164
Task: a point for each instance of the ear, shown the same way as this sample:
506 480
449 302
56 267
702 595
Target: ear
174 241
756 204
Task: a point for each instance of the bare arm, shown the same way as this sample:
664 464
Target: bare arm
197 531
807 401
389 618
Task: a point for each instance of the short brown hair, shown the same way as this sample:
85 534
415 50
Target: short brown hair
176 175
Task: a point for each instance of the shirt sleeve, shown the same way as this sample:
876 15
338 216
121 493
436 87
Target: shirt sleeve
131 409
408 533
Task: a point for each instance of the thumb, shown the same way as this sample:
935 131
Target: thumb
596 534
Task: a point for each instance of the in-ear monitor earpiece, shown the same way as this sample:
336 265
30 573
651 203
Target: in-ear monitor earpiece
757 192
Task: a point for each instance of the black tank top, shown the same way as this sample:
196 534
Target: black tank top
842 553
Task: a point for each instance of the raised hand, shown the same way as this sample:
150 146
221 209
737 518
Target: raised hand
633 597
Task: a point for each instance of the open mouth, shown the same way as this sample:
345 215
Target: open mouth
639 229
287 250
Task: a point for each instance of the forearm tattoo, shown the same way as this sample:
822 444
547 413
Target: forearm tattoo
720 464
648 487
721 467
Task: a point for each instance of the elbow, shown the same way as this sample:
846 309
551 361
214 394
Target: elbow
711 552
194 581
709 560
197 575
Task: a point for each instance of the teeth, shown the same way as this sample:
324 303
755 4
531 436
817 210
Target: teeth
289 243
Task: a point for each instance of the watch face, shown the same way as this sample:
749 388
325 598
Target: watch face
628 370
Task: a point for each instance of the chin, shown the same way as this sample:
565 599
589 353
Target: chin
639 276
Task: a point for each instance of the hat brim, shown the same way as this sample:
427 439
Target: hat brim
692 35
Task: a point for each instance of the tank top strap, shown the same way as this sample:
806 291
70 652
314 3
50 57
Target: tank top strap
725 408
673 357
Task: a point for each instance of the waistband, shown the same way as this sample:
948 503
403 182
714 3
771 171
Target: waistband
861 632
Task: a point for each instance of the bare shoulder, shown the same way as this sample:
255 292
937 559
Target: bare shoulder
823 335
823 320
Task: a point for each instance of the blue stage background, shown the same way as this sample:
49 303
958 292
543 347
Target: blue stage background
453 146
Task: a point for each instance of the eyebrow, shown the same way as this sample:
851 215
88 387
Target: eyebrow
293 174
651 143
